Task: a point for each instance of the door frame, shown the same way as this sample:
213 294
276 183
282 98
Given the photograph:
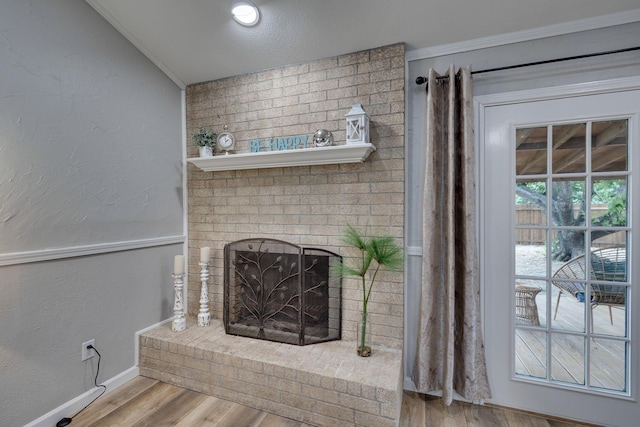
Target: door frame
481 103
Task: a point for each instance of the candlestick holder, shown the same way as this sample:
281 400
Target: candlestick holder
179 322
204 317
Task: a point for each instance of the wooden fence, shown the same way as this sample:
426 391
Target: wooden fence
531 215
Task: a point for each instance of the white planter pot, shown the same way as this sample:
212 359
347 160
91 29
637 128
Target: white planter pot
206 151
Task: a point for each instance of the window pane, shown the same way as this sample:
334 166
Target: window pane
569 144
568 200
609 264
608 367
530 194
609 141
609 202
568 279
531 353
531 151
606 238
530 302
531 260
567 244
567 308
609 319
529 236
608 293
567 358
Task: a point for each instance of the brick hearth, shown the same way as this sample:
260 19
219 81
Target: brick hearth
323 384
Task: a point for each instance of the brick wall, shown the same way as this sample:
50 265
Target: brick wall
306 205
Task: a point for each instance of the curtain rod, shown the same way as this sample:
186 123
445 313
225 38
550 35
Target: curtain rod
422 80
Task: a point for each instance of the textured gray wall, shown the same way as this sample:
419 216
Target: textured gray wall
84 120
90 153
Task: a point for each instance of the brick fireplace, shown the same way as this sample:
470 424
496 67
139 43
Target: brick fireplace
304 205
326 383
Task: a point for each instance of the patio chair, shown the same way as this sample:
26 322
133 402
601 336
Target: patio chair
608 264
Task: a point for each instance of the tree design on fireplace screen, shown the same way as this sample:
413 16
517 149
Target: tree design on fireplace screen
266 296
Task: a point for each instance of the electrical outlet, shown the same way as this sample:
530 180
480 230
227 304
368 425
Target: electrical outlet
88 353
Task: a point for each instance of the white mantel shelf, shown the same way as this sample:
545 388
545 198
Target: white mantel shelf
352 153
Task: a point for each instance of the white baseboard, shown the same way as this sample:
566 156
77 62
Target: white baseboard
73 406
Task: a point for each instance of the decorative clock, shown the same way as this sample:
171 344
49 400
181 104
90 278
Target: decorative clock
226 140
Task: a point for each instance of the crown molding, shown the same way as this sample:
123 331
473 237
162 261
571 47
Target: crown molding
556 92
526 35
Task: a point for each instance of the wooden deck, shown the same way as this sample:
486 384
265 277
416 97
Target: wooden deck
607 365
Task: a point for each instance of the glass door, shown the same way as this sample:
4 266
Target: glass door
557 243
571 254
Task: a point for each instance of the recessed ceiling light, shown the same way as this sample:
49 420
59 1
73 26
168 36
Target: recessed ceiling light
245 12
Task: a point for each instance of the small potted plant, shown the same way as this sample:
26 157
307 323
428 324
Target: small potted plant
374 253
206 140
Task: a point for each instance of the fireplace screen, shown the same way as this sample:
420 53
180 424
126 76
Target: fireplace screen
266 296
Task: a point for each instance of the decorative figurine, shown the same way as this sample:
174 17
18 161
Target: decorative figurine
322 138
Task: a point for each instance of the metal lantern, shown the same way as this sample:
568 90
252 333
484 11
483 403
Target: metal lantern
357 125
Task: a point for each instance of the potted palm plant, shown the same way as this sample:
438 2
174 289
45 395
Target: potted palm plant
206 140
374 253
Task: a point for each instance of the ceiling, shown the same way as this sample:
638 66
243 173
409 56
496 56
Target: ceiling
197 40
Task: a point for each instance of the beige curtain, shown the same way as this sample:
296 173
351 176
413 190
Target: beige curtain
450 351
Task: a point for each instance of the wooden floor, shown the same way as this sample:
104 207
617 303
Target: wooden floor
147 402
